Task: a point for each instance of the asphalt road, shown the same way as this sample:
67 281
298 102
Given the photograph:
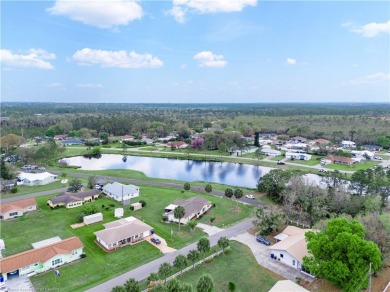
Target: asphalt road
144 271
217 193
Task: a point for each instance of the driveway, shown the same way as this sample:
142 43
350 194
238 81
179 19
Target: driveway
210 230
20 284
163 246
262 255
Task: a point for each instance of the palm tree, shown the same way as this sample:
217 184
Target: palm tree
179 213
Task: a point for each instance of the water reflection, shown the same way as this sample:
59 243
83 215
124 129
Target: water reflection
234 174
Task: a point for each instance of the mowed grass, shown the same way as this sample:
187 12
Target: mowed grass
238 266
354 167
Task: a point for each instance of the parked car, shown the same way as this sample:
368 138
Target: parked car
263 240
280 163
377 157
155 240
322 170
99 186
41 168
249 196
26 167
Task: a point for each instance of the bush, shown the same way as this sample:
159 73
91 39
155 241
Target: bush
83 255
103 206
14 189
231 286
131 208
112 205
143 203
80 218
208 188
208 260
187 186
108 208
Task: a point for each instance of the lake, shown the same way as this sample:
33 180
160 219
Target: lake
234 174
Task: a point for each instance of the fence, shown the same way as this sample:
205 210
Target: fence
191 266
298 224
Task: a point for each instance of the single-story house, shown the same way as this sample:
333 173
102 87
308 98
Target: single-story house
120 192
147 140
271 152
72 200
348 144
73 141
41 259
36 179
177 144
339 160
372 147
299 156
61 137
250 149
319 141
287 286
291 247
362 154
17 208
123 232
265 142
298 139
296 147
194 207
249 139
127 138
166 138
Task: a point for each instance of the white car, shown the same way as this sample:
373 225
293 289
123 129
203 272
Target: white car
249 196
378 158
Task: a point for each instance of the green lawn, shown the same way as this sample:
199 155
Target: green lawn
353 167
238 266
315 159
276 158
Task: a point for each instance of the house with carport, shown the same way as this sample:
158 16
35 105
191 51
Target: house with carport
122 232
36 179
72 200
17 208
41 259
194 207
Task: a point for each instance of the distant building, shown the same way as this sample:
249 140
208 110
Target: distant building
319 141
372 147
298 156
127 138
177 145
120 192
35 179
61 137
72 141
298 139
339 160
348 144
271 152
362 154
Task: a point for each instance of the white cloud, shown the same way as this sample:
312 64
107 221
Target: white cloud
99 13
369 30
209 59
371 79
33 58
119 59
182 7
89 85
291 61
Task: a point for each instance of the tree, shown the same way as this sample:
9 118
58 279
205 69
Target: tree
92 180
180 262
274 183
10 141
184 287
340 254
193 255
5 171
223 243
96 151
173 285
256 142
63 175
212 219
159 288
203 245
179 213
384 141
75 185
187 186
192 224
222 148
238 193
153 277
207 125
132 285
164 270
266 222
258 154
229 193
197 143
118 289
231 286
205 284
208 188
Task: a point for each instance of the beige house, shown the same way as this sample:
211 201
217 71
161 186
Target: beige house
17 208
72 200
122 232
42 259
194 207
291 247
287 286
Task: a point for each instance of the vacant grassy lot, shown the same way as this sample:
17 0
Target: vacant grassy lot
313 161
353 167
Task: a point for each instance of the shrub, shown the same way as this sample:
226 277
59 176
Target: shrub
112 205
212 218
231 286
187 186
103 206
14 189
131 208
208 260
208 188
80 218
83 255
143 203
108 208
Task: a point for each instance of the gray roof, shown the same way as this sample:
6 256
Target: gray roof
117 189
192 205
68 197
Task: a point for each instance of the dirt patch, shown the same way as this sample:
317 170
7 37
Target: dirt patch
77 225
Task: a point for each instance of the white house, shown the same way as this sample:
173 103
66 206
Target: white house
35 179
291 247
42 259
295 147
194 207
362 154
120 192
270 152
122 232
348 144
298 156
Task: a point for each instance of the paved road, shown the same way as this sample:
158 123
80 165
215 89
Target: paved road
144 271
217 193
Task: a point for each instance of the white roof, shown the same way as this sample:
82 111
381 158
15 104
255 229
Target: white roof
170 207
287 286
2 244
281 236
93 216
46 242
117 189
348 142
35 176
118 212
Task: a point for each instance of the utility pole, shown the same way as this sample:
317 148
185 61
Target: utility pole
369 279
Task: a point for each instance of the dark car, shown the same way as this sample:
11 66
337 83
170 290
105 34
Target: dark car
281 163
155 240
263 240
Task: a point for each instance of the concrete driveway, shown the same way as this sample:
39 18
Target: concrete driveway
210 230
20 284
163 246
262 255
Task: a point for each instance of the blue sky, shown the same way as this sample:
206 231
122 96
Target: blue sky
195 51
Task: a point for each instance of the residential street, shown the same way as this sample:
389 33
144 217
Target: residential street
144 271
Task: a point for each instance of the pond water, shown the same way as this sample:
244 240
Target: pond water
234 174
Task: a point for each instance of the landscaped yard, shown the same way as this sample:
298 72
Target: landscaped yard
353 167
313 161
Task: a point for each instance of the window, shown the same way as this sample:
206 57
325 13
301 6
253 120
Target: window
13 213
56 262
293 262
281 255
74 252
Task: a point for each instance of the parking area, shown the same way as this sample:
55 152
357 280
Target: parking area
163 246
20 284
262 255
